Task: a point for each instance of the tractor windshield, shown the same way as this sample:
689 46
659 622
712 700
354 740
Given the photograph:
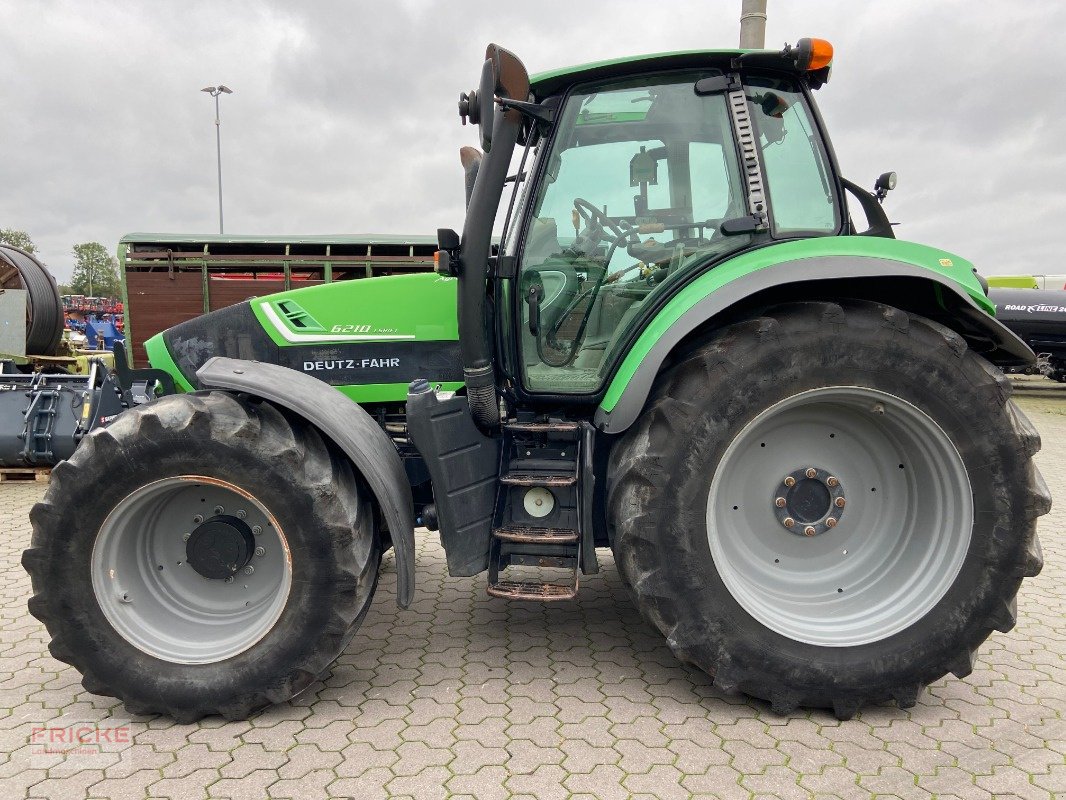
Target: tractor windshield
632 192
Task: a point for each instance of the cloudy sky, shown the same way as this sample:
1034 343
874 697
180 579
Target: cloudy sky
343 118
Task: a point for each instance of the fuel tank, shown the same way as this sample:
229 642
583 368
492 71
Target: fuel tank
370 338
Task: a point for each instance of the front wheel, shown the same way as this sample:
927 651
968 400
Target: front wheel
828 505
202 555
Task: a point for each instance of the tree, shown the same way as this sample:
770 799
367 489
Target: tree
17 238
95 271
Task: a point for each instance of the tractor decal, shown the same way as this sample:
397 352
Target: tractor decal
292 336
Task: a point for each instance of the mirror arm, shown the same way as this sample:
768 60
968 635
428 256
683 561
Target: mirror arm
874 211
540 112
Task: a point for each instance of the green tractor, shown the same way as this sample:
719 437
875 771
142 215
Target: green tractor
791 429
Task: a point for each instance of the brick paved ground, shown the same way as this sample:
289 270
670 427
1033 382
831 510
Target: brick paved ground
468 696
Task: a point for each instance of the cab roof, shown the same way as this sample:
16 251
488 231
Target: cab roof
544 84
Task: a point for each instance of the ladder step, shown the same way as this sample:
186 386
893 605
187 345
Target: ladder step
530 479
543 427
537 535
546 592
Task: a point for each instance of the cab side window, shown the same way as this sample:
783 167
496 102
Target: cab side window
802 199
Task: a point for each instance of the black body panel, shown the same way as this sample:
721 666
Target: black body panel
464 464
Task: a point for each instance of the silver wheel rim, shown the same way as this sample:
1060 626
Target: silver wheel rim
154 598
892 551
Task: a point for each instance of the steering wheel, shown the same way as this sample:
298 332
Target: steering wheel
598 227
593 217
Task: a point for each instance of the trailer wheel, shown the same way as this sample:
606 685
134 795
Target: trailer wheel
203 554
828 505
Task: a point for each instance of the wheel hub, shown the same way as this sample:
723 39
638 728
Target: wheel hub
809 501
220 547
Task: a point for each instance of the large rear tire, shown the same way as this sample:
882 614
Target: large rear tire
203 554
828 505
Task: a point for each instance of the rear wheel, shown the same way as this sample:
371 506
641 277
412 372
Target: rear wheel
828 505
201 555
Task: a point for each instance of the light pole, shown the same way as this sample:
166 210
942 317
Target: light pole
215 91
753 24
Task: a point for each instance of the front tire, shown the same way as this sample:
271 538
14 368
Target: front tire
828 505
203 554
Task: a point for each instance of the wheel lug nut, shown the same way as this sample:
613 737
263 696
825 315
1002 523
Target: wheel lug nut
780 502
249 570
831 522
840 502
259 551
229 579
809 531
811 472
186 537
241 513
219 509
788 522
198 519
831 481
257 529
790 481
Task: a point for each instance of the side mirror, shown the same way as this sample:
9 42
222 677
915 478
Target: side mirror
503 75
479 105
486 97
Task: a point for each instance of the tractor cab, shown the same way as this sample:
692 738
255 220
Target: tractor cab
635 177
642 186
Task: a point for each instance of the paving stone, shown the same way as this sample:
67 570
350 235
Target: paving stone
467 696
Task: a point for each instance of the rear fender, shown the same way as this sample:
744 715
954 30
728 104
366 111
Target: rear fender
821 277
350 428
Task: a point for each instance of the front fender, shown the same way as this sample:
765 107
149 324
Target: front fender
723 288
349 427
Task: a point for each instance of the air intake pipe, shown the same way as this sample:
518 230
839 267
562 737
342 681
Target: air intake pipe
471 160
488 175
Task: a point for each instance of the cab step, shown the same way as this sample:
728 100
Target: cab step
534 556
525 546
543 427
533 479
519 535
544 592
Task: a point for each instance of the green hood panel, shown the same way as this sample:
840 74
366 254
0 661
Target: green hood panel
368 337
418 307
